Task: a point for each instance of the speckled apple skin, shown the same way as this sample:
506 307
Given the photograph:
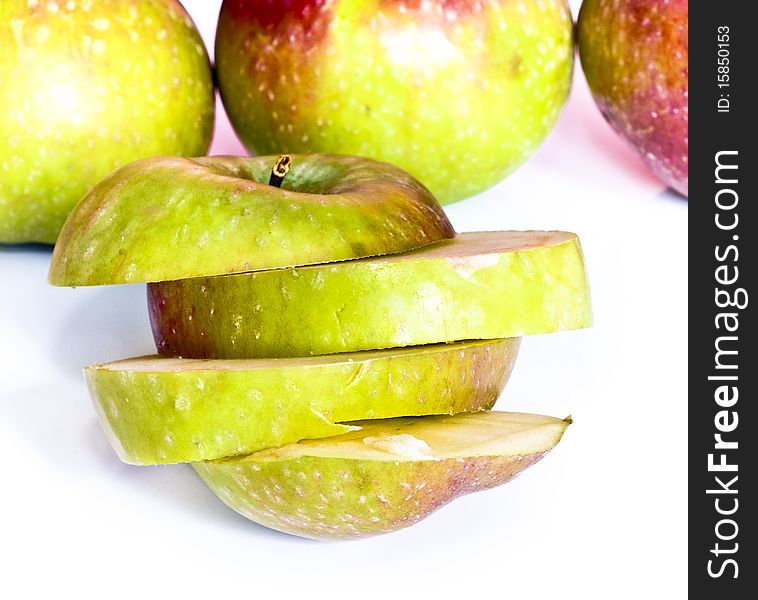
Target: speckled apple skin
427 296
169 218
458 92
635 56
335 498
85 87
214 409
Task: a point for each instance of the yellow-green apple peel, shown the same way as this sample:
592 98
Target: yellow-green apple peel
163 410
86 87
482 285
385 476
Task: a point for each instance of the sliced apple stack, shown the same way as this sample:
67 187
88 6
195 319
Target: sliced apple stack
328 350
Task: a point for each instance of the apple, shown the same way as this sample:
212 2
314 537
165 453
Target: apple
253 264
170 218
385 476
164 410
477 286
457 92
86 87
635 56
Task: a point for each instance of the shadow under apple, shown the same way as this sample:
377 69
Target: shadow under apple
25 248
178 486
56 426
672 196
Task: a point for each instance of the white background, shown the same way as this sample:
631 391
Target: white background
603 516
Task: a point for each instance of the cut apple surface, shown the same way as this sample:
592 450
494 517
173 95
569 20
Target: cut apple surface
171 218
385 476
166 410
478 286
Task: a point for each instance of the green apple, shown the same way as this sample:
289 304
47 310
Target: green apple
171 218
165 410
385 476
635 56
85 87
458 92
477 286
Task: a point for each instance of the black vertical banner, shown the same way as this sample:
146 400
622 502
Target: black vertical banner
723 260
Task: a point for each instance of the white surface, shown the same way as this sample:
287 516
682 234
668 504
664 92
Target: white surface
603 516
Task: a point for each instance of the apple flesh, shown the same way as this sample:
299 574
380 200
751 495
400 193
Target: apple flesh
383 477
635 56
458 92
164 410
170 218
86 87
477 286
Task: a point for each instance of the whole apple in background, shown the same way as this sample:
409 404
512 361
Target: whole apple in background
86 87
635 57
457 92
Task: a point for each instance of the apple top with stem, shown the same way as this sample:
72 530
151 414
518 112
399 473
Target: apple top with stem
635 56
86 87
164 219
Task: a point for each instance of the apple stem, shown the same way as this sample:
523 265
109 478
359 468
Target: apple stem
281 168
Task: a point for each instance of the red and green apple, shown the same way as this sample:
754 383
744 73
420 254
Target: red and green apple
635 56
457 92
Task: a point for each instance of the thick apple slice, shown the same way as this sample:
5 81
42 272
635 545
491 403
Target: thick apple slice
477 286
165 410
385 476
170 218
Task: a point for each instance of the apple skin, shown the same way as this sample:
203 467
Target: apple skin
355 486
158 410
635 56
457 92
85 87
166 218
482 285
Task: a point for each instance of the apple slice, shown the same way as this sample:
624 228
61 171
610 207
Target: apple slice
478 286
165 410
169 218
385 476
